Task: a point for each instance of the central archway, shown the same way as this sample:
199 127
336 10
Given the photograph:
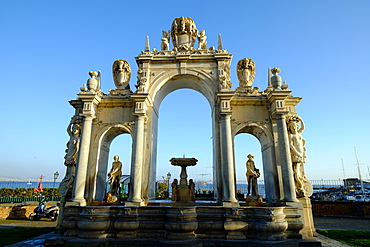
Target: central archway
184 128
165 89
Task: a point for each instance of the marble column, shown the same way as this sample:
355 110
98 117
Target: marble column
137 160
83 158
285 159
227 163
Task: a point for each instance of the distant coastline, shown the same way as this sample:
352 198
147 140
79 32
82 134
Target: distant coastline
21 179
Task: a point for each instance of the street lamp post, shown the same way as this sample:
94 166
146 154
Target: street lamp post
168 184
56 175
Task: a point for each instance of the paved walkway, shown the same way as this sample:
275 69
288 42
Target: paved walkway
324 223
339 223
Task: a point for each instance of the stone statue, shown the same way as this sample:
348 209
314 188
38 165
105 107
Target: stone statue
70 159
121 74
174 189
246 70
115 175
165 40
202 43
252 174
183 34
224 76
298 155
192 190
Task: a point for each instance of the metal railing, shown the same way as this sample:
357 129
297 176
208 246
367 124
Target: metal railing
29 199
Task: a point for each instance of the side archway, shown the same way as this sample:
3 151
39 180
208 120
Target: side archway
265 138
103 142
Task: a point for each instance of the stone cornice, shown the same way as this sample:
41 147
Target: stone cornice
112 102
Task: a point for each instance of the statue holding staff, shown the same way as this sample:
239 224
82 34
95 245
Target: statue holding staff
252 174
115 175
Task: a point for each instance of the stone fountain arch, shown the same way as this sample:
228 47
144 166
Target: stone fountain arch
266 114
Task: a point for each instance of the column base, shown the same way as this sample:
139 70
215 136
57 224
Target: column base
76 203
230 204
134 204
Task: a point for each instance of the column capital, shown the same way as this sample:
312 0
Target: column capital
278 95
141 102
277 102
89 116
90 102
224 98
89 97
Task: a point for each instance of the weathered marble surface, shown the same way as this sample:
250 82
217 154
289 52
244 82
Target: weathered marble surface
182 223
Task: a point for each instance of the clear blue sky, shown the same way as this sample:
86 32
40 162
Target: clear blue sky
47 49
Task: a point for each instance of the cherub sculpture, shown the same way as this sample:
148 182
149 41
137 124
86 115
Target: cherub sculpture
202 43
165 45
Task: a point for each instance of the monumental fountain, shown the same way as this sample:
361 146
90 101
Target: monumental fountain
285 215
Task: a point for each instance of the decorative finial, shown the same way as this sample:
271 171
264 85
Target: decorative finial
93 82
147 46
276 80
219 42
83 88
284 86
275 71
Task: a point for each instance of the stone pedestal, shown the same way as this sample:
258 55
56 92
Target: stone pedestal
305 211
308 230
253 199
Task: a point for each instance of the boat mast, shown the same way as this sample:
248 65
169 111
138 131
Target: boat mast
344 172
359 174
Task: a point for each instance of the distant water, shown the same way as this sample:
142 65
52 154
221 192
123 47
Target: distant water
243 187
26 184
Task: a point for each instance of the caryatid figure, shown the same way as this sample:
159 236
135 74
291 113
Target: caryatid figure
252 174
298 155
70 159
115 175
